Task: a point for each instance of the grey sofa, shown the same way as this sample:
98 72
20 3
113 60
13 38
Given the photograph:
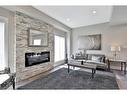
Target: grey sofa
98 59
101 61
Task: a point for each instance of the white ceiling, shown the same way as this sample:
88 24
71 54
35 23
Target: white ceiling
78 15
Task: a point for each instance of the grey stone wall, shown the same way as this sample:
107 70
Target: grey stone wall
23 23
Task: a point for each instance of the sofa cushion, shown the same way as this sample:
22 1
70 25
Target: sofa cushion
96 62
93 61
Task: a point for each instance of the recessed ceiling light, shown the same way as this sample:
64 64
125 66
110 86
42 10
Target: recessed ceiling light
94 12
68 19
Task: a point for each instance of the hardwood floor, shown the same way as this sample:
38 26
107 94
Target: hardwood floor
120 77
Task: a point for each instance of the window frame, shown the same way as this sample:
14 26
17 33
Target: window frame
6 41
64 48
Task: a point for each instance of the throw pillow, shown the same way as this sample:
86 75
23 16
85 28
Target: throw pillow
96 58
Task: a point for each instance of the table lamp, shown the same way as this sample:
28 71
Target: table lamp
115 49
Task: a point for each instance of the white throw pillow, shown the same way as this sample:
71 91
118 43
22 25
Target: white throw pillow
96 58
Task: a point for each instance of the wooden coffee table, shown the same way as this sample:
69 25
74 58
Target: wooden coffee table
85 65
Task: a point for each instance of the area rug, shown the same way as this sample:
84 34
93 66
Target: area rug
76 79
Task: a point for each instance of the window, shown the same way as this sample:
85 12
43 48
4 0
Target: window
37 42
59 48
2 44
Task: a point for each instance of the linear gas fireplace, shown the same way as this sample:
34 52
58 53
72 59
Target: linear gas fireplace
33 58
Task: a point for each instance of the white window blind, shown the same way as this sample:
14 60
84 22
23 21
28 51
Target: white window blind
59 48
2 44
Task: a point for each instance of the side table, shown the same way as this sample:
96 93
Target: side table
121 62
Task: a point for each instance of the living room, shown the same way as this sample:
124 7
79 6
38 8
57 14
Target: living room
43 43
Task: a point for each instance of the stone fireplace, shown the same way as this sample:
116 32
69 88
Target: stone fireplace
23 24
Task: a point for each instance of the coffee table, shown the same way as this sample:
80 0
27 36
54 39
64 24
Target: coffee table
86 65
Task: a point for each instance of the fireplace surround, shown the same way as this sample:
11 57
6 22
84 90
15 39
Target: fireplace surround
33 58
23 24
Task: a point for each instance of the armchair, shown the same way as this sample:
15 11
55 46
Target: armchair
7 79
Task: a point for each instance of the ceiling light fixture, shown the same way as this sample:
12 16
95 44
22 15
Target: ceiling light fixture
68 19
94 12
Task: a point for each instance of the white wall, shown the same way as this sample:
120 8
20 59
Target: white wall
111 35
69 44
